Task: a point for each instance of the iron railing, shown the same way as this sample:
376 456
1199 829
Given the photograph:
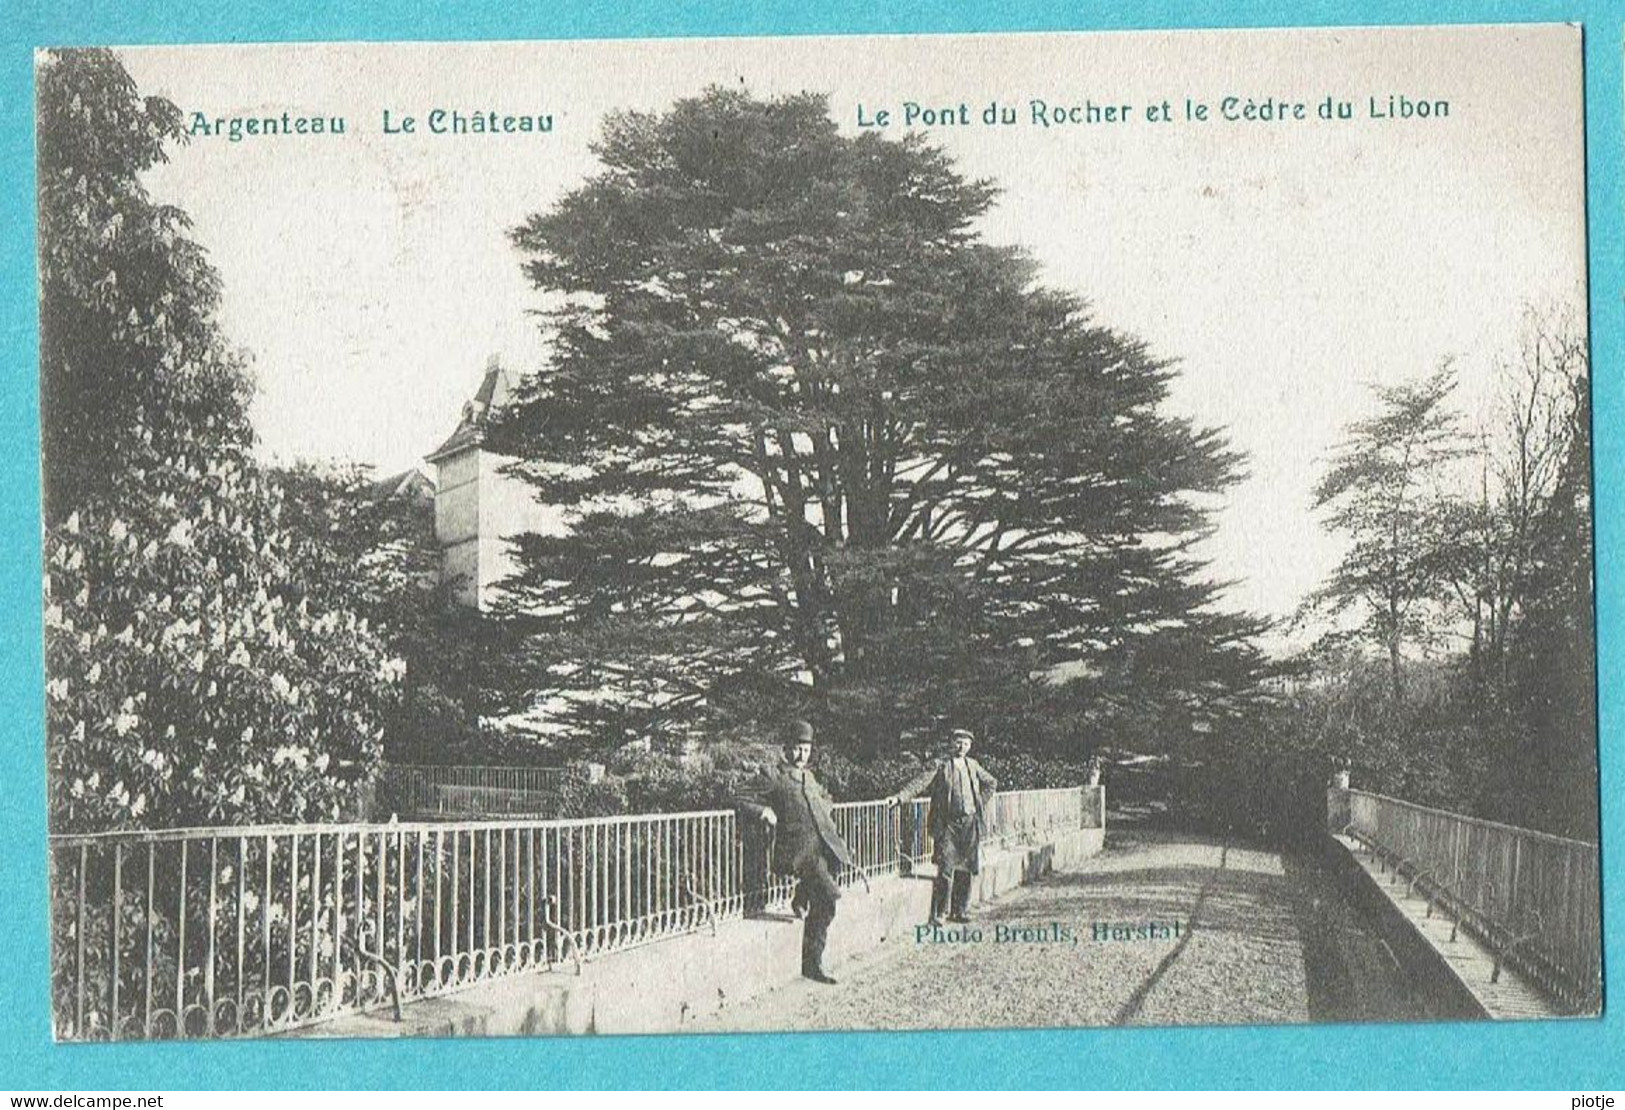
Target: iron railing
426 791
1533 897
246 931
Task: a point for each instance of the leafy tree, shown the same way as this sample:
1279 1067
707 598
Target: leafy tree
1505 728
190 679
372 547
1268 772
1523 461
824 448
129 349
1386 488
198 670
1549 663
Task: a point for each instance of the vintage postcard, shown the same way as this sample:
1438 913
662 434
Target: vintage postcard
884 532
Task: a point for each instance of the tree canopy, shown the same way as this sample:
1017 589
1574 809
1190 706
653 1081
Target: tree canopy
1386 489
198 672
1480 553
129 348
371 548
825 448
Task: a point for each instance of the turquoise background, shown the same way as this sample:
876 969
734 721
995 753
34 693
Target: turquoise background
1576 1055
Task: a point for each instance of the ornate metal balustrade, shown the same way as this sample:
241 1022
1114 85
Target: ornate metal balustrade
1533 897
246 931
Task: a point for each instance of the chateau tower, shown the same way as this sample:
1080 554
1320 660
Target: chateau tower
476 507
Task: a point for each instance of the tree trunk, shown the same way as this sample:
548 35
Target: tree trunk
1394 667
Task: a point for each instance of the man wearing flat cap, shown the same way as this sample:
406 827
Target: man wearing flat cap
960 791
796 810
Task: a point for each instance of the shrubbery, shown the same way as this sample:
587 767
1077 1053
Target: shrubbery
190 682
198 671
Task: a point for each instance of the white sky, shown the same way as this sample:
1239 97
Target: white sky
1286 266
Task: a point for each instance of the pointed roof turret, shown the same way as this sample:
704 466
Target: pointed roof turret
495 388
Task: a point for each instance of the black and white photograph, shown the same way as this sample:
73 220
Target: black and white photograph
874 532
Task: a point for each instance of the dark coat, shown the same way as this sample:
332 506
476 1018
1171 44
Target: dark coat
806 825
948 802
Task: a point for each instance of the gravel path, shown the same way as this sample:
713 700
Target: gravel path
1237 956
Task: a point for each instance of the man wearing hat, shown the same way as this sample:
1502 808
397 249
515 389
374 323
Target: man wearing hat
795 809
960 791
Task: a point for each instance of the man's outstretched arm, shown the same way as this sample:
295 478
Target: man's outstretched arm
914 787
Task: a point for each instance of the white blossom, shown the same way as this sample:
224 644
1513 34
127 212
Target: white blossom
288 754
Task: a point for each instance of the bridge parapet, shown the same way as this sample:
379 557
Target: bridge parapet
247 931
1533 898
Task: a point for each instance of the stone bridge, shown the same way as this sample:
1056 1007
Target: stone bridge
666 922
1157 928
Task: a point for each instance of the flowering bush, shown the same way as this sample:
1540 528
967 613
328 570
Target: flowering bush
196 673
190 679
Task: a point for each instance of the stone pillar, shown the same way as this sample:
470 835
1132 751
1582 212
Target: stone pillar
1094 807
1338 813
